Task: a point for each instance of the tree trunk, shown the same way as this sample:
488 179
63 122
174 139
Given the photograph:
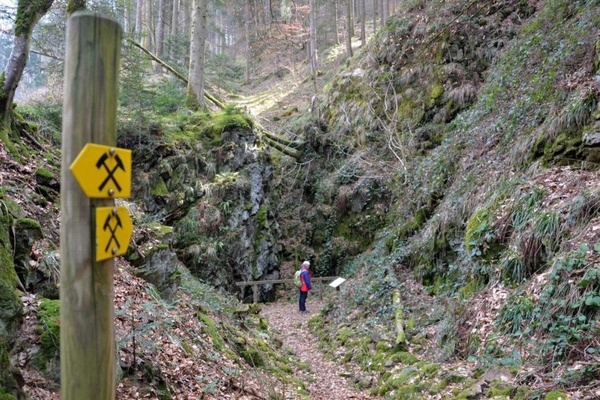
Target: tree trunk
195 90
248 42
363 28
374 17
28 14
335 22
160 28
348 28
147 26
312 42
139 12
184 30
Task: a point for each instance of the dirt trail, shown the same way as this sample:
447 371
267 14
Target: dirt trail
325 379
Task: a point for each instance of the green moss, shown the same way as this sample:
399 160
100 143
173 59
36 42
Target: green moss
405 358
522 393
261 216
210 327
343 335
44 173
5 376
10 303
160 188
253 357
556 395
437 90
430 370
48 328
28 224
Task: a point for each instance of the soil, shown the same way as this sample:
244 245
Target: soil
324 379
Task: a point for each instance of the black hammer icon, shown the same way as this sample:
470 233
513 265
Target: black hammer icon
112 229
111 172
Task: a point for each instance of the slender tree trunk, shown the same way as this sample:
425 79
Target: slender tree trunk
382 12
268 13
160 32
335 23
174 29
248 41
139 12
185 22
28 15
312 42
195 90
160 28
374 16
363 28
348 28
147 26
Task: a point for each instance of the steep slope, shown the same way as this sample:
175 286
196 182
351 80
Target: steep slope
454 179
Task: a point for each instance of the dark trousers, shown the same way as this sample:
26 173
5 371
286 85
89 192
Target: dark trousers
302 301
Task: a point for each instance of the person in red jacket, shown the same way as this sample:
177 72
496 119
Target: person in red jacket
306 285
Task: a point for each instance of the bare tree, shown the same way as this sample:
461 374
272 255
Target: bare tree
139 12
160 27
349 29
28 15
195 89
363 18
312 42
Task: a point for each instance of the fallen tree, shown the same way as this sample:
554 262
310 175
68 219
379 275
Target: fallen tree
291 148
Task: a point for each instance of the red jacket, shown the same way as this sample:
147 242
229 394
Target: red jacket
305 279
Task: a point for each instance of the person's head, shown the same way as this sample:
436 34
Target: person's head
305 265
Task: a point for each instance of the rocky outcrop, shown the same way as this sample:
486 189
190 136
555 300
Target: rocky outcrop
212 192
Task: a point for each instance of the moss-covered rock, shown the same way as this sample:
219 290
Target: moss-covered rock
10 303
10 378
48 327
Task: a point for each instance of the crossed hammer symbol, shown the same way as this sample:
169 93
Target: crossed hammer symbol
112 229
111 172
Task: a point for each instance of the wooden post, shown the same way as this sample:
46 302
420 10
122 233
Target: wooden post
321 290
255 294
87 342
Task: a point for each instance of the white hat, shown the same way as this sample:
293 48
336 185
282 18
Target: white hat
306 264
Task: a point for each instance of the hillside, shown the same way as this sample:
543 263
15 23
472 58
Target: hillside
449 171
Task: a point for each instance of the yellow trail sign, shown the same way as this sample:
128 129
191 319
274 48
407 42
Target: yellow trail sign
113 232
103 172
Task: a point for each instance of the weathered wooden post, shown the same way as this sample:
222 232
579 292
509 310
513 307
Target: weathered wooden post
87 349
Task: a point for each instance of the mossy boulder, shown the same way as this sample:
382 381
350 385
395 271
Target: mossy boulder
10 303
48 327
11 381
27 231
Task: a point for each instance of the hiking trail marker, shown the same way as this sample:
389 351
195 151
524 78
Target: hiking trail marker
103 172
113 232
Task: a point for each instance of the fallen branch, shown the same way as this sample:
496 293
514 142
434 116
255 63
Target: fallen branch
177 74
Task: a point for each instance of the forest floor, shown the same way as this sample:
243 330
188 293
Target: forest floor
324 379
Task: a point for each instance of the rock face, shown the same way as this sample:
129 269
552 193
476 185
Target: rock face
11 309
213 194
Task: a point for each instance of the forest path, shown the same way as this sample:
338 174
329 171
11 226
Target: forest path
324 379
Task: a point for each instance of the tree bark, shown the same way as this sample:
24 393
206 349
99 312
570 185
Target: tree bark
28 14
348 28
147 25
195 90
363 18
160 29
139 12
312 42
